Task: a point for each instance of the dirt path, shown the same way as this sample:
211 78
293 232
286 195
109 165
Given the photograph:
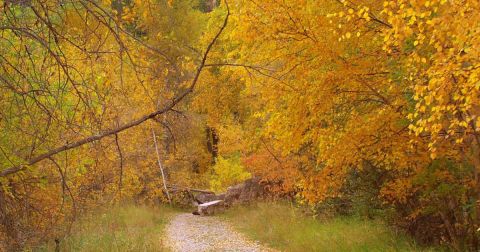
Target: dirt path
187 232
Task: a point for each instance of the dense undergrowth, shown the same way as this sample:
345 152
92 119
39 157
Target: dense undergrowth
287 228
125 228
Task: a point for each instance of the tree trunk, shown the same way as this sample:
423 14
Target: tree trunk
212 143
161 167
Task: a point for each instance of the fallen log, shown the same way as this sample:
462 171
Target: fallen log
210 208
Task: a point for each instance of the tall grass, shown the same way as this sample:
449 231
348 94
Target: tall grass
284 227
128 228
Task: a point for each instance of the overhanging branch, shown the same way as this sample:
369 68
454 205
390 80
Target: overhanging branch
174 102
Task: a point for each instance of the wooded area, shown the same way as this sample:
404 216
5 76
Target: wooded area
361 107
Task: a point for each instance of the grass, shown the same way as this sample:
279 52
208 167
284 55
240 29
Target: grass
128 228
285 228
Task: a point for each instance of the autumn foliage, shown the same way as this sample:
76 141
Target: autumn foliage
367 106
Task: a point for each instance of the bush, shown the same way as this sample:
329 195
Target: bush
227 172
442 210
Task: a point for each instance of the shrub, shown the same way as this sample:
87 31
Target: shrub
227 172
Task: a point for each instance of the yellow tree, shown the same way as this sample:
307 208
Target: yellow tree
341 88
75 73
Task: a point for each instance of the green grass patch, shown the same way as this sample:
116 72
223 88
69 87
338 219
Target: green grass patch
128 228
284 227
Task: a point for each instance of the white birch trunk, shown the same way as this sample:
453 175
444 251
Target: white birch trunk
161 167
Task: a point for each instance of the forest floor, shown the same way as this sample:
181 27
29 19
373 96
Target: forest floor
188 232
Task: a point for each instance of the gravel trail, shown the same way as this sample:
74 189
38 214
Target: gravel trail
187 232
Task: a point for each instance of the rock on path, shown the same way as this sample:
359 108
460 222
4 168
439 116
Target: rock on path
187 232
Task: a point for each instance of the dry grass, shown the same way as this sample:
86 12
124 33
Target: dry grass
129 228
285 228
